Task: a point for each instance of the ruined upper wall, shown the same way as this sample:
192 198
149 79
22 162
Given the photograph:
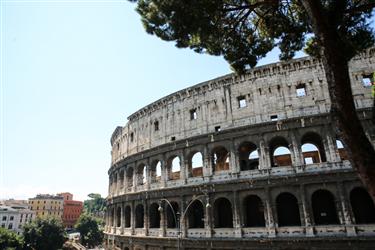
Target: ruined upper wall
268 91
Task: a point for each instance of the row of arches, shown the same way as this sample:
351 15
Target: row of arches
313 150
323 208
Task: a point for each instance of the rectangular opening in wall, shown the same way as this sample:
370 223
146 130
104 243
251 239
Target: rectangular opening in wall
309 160
367 80
173 138
241 102
217 129
193 114
156 126
301 90
131 137
273 117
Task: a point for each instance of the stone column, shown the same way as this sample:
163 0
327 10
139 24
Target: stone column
332 152
346 215
270 222
182 167
164 172
236 215
264 155
296 151
125 181
122 217
183 217
234 163
132 218
207 168
305 207
135 178
162 220
146 217
208 223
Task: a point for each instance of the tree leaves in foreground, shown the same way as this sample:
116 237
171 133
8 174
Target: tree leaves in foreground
44 234
243 31
88 227
9 240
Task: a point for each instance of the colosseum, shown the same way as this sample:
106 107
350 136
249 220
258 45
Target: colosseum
242 162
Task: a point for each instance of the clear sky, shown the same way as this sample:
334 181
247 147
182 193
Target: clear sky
71 71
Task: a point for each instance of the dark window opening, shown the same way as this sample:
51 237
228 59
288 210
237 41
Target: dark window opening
193 114
139 216
324 209
220 159
362 206
154 216
173 138
131 137
196 165
223 215
287 210
254 212
196 215
273 118
172 215
248 156
156 126
118 217
217 129
127 216
281 155
301 90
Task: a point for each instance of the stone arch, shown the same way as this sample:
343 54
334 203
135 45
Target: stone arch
312 148
280 152
155 171
220 159
174 168
118 217
154 215
248 156
223 215
362 206
253 212
127 216
195 164
139 216
195 215
287 210
129 176
121 177
171 215
324 208
112 222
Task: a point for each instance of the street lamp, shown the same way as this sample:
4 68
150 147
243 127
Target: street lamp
178 218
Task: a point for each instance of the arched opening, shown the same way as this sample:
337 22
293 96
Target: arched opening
223 215
324 209
362 206
254 211
220 159
195 215
174 168
118 217
128 216
287 210
248 156
129 177
172 215
141 174
112 222
121 178
342 152
196 164
312 148
155 171
154 216
139 216
281 155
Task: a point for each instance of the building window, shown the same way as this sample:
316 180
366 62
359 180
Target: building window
11 218
4 218
193 114
3 225
241 102
217 129
273 117
173 138
301 90
366 80
131 137
10 226
156 126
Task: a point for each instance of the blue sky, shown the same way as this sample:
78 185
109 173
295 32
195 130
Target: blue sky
71 72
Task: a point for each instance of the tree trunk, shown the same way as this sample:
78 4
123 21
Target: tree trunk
360 150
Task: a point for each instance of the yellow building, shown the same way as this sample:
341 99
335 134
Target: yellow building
47 205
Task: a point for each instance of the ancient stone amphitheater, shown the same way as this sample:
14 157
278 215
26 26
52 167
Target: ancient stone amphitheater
249 162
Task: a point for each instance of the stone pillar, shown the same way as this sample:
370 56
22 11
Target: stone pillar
332 153
164 172
125 181
346 215
132 218
162 220
148 176
183 217
207 168
236 215
146 217
296 151
208 223
122 217
135 179
305 207
264 155
270 222
234 163
182 167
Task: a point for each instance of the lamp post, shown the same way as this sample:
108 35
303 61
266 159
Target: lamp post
178 218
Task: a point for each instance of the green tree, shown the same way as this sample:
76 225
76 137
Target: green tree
44 234
88 227
243 31
96 205
9 240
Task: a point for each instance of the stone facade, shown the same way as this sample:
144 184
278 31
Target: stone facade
242 162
